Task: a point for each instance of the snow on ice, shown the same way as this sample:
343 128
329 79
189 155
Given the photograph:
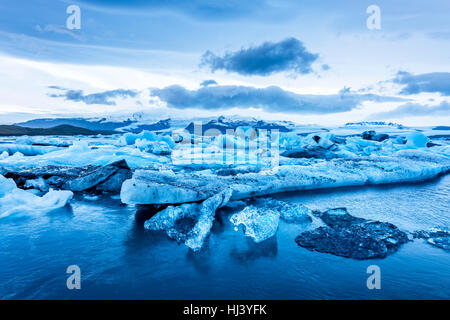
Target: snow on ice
17 201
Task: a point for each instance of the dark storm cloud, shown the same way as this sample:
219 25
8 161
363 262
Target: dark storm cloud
105 98
272 99
437 82
415 110
268 58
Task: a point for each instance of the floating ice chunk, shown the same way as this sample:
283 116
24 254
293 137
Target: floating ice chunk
416 140
372 135
105 178
337 211
155 147
38 184
242 141
344 153
166 187
289 139
295 212
259 224
155 187
6 186
26 149
24 140
4 155
289 212
314 145
203 226
399 140
44 141
189 223
79 146
82 154
17 201
322 139
228 141
131 138
90 197
246 131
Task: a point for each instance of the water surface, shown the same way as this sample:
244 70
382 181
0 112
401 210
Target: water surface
121 260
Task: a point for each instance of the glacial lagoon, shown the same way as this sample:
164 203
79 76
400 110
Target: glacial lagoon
118 258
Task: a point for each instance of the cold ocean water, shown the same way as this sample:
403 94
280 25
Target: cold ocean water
119 259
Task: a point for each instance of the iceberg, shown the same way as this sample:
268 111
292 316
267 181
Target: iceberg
38 184
93 179
373 136
155 147
169 187
322 139
17 201
131 138
288 211
189 223
294 212
259 224
27 150
416 140
82 154
261 218
107 178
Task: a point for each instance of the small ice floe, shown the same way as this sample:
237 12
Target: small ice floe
291 212
189 223
416 140
150 142
373 136
38 184
17 201
258 224
261 218
26 149
91 197
439 238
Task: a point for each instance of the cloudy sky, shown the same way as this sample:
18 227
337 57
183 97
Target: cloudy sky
306 61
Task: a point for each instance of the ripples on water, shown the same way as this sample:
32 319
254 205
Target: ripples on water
119 259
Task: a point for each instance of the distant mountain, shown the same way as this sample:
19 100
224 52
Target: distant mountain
375 123
91 124
139 126
62 130
223 124
441 128
97 124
